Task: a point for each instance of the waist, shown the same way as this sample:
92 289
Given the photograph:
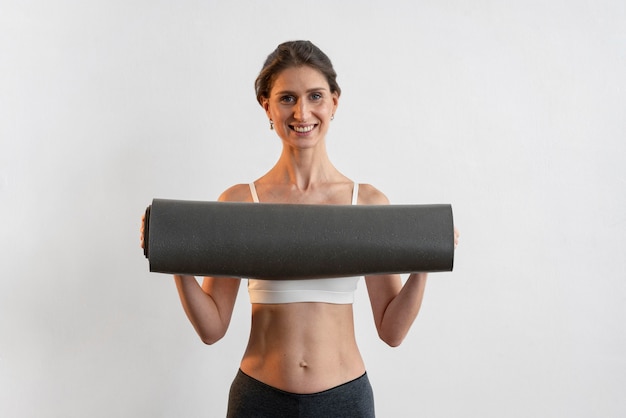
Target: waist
302 347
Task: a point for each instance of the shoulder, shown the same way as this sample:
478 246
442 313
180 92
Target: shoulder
370 195
236 193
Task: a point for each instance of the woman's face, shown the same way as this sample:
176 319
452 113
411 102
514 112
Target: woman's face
301 106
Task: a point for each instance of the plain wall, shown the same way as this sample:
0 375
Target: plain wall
513 112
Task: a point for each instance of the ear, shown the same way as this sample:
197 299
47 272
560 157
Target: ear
266 106
335 98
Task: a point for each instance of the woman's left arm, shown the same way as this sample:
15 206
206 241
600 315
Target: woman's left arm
395 306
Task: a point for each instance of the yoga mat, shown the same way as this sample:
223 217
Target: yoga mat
291 241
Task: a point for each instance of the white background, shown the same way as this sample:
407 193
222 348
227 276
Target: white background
513 112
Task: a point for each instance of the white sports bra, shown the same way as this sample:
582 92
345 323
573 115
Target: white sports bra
330 290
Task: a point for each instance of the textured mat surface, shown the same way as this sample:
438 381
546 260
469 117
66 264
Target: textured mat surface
287 241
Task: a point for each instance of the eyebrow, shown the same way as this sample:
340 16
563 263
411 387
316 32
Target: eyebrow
283 92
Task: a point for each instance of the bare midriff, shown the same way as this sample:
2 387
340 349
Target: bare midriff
302 347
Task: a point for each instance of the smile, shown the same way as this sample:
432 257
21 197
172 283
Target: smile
303 129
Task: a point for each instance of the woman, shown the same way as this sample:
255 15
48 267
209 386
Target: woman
302 358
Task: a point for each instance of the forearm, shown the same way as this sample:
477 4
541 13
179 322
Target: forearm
201 309
403 309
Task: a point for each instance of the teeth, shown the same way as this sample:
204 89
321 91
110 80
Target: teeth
303 129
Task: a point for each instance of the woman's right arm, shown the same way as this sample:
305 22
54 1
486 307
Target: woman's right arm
209 307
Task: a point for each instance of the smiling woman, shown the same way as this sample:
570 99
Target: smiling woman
302 353
300 106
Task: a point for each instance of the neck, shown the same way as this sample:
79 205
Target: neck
304 168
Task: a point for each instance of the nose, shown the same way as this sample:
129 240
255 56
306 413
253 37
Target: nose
301 111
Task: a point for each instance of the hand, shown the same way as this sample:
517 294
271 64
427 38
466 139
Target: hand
456 237
143 221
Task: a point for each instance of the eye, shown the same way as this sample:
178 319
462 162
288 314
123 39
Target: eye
316 96
287 99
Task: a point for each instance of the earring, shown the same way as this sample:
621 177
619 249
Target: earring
271 124
332 117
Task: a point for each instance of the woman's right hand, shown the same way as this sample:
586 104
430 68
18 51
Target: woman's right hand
141 237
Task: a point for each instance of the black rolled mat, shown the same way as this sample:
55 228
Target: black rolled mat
289 241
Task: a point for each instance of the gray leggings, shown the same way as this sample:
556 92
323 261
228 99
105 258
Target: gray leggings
252 398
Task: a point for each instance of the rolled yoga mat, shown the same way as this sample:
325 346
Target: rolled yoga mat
292 241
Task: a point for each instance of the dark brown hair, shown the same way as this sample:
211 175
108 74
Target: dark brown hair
294 54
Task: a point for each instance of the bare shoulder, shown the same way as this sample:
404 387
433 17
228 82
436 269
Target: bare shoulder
236 193
370 195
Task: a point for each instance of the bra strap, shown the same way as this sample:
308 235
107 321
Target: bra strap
255 196
355 193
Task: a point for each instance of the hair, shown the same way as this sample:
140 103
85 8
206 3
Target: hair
294 54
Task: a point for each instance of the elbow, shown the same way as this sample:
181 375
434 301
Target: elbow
210 338
393 342
392 339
